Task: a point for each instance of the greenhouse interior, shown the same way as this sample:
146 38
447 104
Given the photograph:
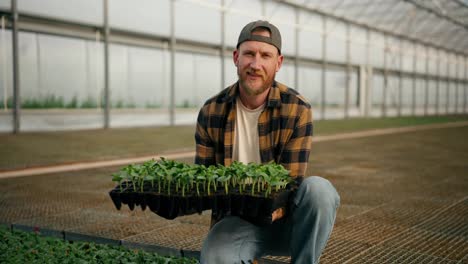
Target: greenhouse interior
154 63
100 99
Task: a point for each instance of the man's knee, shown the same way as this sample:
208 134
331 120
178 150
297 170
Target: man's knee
228 241
216 245
317 192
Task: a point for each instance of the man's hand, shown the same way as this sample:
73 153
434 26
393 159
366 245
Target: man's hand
277 214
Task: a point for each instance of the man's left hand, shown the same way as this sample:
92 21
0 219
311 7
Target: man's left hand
278 214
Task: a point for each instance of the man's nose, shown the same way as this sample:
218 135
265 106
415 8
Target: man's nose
255 63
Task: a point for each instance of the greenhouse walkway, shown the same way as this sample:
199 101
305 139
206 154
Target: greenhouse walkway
186 154
404 199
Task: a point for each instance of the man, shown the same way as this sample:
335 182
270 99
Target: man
260 120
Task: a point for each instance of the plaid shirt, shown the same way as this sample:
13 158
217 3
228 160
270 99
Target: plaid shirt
284 129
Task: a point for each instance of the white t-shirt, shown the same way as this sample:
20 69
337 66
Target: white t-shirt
246 143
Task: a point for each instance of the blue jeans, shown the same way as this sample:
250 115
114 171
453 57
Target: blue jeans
302 235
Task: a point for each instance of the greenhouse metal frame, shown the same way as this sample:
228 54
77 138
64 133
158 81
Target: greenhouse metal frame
387 57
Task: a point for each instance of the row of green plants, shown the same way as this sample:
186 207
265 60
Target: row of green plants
28 247
52 101
166 176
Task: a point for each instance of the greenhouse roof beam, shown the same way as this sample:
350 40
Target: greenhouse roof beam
321 11
418 28
386 14
363 10
438 13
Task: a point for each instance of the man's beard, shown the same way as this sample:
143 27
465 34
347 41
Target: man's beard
249 89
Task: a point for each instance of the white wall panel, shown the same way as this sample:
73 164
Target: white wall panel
6 68
286 75
431 102
146 16
444 64
452 96
84 11
391 100
393 53
284 18
231 72
198 22
148 81
358 45
433 61
408 56
119 83
310 83
420 92
420 58
62 67
5 4
336 85
240 13
310 36
336 41
376 49
453 65
407 92
377 90
443 98
198 78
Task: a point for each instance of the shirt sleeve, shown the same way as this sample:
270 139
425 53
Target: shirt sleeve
205 154
295 156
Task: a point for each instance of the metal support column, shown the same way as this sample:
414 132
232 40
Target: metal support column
96 62
324 67
385 75
465 86
106 66
456 84
348 70
400 80
447 92
16 73
172 47
413 102
426 83
296 50
4 72
369 75
223 44
438 83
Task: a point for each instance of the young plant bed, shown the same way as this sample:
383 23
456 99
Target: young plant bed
26 247
171 189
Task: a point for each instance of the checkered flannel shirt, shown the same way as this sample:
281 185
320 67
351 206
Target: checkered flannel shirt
284 127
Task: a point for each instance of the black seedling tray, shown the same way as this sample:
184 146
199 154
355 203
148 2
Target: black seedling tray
257 207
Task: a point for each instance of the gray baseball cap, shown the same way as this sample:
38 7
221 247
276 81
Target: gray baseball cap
274 39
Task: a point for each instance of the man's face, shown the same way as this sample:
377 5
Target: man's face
257 64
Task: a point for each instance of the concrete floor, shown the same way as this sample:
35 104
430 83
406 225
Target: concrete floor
404 199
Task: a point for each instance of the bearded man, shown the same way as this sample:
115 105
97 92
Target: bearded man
260 120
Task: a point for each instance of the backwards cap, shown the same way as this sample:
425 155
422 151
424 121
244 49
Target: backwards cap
274 39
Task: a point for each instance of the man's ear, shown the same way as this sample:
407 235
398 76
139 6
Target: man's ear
280 62
235 56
